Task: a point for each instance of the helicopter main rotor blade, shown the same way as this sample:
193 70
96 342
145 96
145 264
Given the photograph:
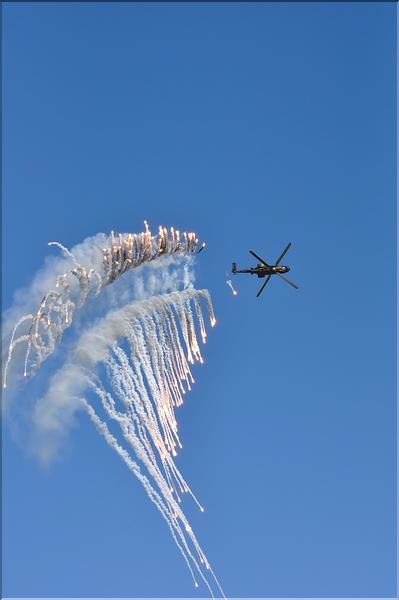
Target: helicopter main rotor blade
286 250
263 285
288 281
259 258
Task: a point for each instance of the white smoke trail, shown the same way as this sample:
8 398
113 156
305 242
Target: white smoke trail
135 469
145 348
230 284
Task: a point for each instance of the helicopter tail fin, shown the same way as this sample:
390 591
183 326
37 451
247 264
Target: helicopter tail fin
234 268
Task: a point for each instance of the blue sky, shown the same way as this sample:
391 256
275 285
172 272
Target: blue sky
255 125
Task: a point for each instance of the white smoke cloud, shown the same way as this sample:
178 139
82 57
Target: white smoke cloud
153 310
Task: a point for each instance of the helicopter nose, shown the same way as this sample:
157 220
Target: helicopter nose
287 269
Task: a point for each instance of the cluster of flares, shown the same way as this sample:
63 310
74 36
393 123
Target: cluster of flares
143 374
131 250
148 373
46 326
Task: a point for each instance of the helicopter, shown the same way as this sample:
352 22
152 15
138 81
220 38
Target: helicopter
263 269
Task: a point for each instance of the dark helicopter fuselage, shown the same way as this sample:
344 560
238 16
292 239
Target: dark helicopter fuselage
263 270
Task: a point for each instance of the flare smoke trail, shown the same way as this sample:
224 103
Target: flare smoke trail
230 284
135 360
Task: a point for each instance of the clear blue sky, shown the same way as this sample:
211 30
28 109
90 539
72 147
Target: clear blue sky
255 125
